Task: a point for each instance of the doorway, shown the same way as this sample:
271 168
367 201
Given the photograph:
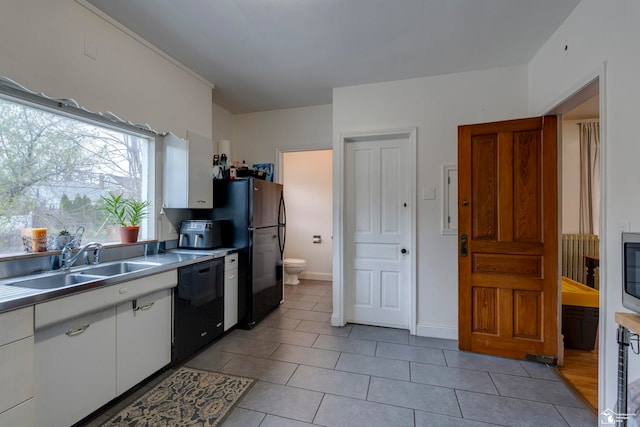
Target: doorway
307 179
580 248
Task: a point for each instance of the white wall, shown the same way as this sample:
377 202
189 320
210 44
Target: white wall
222 127
436 106
599 32
42 48
308 193
257 136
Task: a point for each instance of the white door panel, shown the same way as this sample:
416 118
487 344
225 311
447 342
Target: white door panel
378 227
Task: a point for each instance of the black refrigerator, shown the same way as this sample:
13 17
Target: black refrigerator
253 218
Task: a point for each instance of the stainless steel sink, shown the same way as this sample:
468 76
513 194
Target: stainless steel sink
80 276
117 268
56 281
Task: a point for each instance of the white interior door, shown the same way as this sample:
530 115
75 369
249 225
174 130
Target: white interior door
378 229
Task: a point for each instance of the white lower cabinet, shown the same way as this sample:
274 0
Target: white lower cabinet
143 338
83 361
16 368
75 368
230 291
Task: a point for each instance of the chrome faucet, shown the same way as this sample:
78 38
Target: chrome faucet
67 260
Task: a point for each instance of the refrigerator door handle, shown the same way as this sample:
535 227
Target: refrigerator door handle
282 211
282 221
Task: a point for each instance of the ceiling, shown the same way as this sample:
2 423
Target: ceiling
272 54
590 109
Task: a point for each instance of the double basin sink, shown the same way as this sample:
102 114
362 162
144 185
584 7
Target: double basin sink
80 275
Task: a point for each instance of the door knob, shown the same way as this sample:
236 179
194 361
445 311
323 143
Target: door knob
403 251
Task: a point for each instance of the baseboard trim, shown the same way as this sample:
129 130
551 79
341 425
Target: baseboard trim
437 331
327 277
335 321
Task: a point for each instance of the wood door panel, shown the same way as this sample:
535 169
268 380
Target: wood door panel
484 149
508 208
520 265
507 282
485 310
526 174
527 314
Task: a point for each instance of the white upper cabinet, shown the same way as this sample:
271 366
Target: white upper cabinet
187 179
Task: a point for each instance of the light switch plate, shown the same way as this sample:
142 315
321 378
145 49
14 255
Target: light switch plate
429 193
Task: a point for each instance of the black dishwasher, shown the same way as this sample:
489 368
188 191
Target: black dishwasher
198 315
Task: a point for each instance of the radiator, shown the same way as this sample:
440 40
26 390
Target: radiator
574 249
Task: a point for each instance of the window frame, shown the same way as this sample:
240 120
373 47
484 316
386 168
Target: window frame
13 92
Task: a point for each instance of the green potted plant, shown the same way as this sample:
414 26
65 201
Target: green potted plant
128 214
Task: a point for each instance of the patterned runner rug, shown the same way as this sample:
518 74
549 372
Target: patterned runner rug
188 397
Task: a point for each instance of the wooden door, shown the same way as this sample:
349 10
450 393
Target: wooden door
378 223
508 238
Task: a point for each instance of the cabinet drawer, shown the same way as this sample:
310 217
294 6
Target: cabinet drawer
21 415
16 370
51 312
231 261
16 324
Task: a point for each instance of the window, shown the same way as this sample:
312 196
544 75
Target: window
55 166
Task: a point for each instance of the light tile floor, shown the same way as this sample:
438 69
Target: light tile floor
310 373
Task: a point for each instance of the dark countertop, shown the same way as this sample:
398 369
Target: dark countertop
13 297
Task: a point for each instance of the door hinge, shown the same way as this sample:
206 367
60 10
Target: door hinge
547 360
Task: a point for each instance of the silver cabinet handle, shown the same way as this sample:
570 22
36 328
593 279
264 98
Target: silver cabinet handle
146 306
78 330
142 307
232 276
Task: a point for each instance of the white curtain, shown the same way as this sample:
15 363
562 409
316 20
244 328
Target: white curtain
589 177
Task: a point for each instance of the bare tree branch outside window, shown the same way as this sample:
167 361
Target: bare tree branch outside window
53 170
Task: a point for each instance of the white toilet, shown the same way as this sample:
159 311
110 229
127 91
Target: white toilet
293 267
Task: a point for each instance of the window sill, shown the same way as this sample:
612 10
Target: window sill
27 255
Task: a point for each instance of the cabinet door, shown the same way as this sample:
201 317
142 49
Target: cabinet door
16 368
200 163
230 298
143 338
75 368
187 172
